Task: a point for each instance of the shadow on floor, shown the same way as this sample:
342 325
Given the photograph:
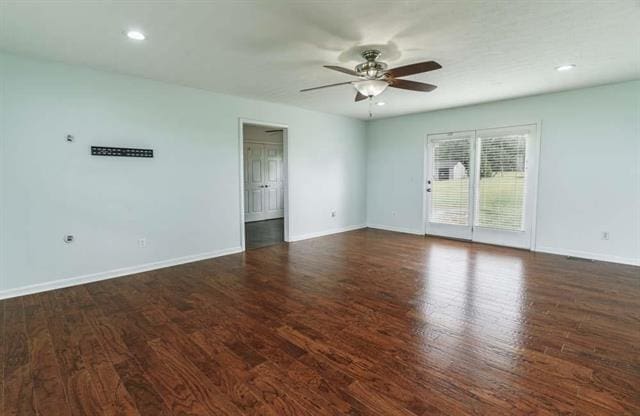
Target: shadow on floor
264 233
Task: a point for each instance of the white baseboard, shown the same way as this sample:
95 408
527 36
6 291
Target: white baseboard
78 280
396 229
549 250
588 255
300 237
94 277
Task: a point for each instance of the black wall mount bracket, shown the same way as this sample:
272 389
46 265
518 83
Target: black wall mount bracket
120 151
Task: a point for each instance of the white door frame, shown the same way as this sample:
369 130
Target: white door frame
285 163
532 184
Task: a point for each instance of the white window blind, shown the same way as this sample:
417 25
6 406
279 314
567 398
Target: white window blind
500 199
450 164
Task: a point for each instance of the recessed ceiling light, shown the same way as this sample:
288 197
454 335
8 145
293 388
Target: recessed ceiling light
136 35
380 103
567 67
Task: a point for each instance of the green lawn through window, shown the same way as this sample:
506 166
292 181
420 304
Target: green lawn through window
500 201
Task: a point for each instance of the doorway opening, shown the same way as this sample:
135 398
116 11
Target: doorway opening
263 184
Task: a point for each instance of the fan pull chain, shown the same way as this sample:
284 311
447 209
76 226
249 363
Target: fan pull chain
370 106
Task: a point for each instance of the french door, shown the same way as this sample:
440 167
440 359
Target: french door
481 185
263 181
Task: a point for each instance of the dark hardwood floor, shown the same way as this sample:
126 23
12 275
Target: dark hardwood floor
361 323
263 233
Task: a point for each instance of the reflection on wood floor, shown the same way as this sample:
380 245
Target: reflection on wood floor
361 323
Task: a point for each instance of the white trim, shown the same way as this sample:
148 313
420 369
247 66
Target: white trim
548 250
533 183
263 142
425 178
94 277
285 153
462 128
589 255
396 229
326 232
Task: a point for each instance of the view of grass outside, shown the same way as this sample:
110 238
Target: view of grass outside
500 201
450 201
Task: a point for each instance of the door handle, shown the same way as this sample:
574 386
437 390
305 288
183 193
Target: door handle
428 189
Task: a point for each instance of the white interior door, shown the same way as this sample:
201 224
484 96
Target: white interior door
481 185
274 181
253 181
264 182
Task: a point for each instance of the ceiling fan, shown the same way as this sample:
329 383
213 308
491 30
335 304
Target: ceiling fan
374 77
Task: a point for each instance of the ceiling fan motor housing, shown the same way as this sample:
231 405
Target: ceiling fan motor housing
371 69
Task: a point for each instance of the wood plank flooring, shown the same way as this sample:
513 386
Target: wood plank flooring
263 233
361 323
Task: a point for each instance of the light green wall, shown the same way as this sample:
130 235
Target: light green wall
185 201
589 173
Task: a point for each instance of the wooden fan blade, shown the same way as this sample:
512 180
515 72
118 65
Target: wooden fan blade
343 70
405 84
403 71
360 97
326 86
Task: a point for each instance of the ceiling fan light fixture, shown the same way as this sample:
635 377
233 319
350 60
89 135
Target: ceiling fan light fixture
136 35
370 88
565 67
374 77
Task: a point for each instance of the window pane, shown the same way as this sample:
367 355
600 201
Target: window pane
501 192
450 181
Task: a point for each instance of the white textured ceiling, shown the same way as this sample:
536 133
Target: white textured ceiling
271 49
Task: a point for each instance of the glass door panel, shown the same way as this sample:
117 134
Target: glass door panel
503 194
449 184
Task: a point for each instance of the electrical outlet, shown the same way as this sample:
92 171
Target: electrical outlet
393 213
333 214
142 242
605 235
